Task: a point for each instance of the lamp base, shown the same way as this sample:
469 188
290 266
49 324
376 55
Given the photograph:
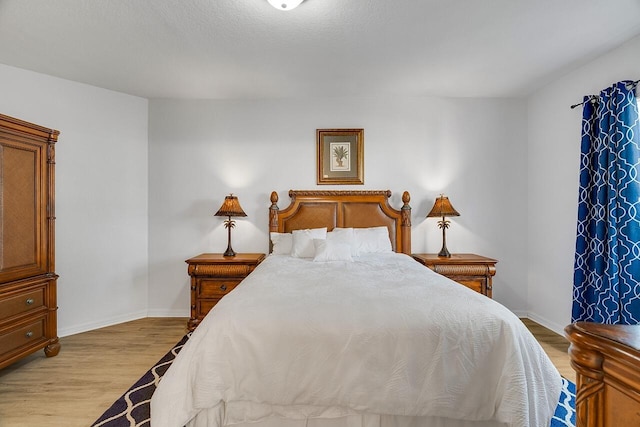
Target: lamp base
444 253
229 224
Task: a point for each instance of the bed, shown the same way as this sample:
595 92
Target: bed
340 327
606 359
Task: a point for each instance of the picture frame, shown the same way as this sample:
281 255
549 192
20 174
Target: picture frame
340 156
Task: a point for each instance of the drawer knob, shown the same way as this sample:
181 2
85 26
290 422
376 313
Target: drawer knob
223 287
28 334
30 301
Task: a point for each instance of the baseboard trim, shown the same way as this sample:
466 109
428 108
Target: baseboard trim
90 326
168 313
558 329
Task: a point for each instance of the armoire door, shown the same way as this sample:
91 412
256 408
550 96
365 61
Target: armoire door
23 207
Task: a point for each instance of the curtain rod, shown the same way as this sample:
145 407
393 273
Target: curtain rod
594 98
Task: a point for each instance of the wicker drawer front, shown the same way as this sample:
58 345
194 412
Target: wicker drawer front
461 270
23 336
221 270
211 288
24 302
471 276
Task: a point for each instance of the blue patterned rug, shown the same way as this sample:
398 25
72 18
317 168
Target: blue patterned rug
565 415
133 407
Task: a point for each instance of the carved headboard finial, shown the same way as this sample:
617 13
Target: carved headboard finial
273 214
406 198
406 210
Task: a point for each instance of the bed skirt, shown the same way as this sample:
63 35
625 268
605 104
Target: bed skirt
212 417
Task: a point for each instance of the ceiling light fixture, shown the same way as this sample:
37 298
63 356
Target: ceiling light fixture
285 4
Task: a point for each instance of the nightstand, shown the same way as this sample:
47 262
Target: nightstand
473 271
212 277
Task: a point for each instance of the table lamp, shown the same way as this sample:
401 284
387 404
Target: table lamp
442 208
230 207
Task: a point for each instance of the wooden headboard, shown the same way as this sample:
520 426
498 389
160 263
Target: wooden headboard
357 209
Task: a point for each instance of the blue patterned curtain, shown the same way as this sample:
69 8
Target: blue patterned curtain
607 261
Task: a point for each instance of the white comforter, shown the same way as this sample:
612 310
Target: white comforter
381 335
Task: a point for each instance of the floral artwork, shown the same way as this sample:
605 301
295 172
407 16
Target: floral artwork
340 156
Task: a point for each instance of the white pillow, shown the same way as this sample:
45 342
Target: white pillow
331 250
344 235
303 246
282 243
372 240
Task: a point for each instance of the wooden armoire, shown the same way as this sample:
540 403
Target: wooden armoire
27 248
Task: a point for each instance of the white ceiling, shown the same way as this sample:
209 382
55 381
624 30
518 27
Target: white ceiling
247 49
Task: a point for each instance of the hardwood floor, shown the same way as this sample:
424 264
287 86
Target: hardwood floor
94 368
556 347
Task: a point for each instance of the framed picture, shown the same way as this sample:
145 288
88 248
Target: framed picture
340 156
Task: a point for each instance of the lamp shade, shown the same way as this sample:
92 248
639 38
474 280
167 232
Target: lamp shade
442 208
285 4
230 207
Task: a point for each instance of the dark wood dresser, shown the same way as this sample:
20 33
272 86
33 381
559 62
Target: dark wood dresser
212 277
606 359
27 248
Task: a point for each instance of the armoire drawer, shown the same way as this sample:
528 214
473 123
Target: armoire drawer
21 302
23 336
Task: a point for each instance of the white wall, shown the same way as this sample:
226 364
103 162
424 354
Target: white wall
113 269
553 158
503 163
101 194
199 151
